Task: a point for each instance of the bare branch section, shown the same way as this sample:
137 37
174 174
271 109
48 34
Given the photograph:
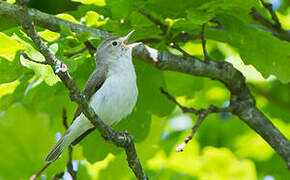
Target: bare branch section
88 46
123 140
164 29
69 164
35 176
202 114
241 98
32 60
154 20
76 52
269 7
203 43
275 27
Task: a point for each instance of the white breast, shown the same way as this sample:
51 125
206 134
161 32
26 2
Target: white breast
117 96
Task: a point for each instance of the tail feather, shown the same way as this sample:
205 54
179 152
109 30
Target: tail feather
58 149
78 127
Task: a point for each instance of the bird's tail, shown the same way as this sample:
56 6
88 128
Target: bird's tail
79 126
60 146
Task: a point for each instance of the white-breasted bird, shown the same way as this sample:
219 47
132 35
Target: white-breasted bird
111 90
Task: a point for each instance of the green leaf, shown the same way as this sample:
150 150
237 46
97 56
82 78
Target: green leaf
199 17
8 88
67 17
96 149
120 168
10 71
9 46
149 81
268 54
83 36
92 19
169 8
95 2
179 84
120 8
46 72
25 135
65 31
49 35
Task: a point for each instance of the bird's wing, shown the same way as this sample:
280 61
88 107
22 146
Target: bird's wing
94 83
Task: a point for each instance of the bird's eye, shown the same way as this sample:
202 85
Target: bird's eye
114 43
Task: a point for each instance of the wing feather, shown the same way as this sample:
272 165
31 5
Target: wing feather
94 83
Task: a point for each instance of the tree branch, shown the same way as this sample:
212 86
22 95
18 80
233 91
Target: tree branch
203 42
35 176
69 165
269 7
76 52
32 60
123 140
274 28
202 114
164 29
241 98
154 20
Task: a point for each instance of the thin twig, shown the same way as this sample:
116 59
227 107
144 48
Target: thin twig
175 46
269 7
64 118
35 176
203 42
181 146
58 176
154 20
92 50
32 60
275 29
184 109
76 52
164 29
69 165
202 114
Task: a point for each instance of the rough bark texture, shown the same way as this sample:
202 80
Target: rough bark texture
241 98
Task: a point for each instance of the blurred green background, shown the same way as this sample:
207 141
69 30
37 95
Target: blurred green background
32 97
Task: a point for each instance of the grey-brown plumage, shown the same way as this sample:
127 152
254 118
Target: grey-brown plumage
112 84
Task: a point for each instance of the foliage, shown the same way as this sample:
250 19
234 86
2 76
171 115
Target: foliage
31 96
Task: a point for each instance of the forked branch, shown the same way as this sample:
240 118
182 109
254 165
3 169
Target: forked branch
201 113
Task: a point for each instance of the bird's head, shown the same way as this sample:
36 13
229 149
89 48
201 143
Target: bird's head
116 47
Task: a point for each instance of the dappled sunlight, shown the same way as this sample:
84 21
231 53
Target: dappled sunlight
212 163
8 88
253 146
217 93
49 35
6 44
221 163
94 2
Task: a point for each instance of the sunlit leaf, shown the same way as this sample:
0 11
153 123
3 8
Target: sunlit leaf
9 46
49 35
95 2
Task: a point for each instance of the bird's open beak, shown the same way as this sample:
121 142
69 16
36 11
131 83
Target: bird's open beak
125 40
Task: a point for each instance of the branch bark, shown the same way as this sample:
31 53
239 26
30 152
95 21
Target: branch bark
241 97
276 29
202 114
123 140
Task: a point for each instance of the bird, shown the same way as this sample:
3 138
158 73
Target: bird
111 91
